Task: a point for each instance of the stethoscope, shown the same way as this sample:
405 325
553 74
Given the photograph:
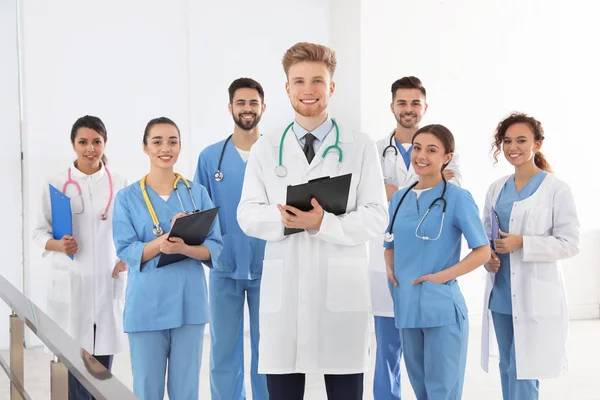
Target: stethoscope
389 236
219 174
390 146
71 181
156 229
281 170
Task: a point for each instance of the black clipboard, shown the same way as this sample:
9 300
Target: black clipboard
331 193
193 229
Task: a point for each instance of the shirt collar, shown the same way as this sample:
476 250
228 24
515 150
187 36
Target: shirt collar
96 176
320 132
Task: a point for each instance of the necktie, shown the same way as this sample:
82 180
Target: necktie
309 150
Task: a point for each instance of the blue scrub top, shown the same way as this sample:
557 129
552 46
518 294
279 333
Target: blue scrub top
173 295
405 153
242 255
429 304
500 298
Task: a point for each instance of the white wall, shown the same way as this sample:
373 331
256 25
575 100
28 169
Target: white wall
480 60
10 162
234 39
128 62
125 61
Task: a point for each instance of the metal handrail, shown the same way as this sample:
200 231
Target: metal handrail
100 383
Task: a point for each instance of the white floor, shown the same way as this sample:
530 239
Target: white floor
582 382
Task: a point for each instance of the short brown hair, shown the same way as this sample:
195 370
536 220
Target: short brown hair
305 51
408 82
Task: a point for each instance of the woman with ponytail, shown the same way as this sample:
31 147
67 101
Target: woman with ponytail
531 220
87 282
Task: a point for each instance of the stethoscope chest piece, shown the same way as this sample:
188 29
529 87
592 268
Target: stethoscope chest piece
388 237
280 171
103 217
218 176
157 230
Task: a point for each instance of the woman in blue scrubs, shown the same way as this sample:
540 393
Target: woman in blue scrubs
423 261
166 308
534 224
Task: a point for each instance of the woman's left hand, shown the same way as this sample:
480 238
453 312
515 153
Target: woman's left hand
173 245
508 243
435 278
120 267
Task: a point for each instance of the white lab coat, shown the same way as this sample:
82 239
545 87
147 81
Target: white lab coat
82 292
314 300
394 173
550 228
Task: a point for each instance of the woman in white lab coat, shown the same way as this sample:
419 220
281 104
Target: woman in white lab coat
532 222
87 281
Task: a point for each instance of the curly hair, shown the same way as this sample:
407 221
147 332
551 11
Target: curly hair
538 134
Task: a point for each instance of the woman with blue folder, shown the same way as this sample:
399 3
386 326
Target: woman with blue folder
423 259
87 282
531 218
166 308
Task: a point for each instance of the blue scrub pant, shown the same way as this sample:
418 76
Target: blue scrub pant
512 388
76 390
386 381
436 359
150 351
226 301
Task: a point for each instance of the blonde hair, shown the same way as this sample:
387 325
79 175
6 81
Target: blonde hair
305 51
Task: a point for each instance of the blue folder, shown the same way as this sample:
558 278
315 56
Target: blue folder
62 219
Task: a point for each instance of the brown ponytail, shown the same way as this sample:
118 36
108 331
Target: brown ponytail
540 161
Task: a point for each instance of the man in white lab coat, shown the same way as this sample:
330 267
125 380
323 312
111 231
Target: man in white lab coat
314 302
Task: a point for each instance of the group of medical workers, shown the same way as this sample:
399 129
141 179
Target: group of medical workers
394 254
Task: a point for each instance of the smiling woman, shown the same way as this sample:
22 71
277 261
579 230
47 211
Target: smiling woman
84 262
166 309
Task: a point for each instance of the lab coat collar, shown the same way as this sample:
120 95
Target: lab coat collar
95 177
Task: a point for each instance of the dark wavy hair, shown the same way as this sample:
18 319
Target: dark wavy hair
538 134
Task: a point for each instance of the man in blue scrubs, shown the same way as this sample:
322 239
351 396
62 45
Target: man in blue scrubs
409 105
236 274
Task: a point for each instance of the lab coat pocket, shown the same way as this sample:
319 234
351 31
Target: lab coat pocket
60 284
119 287
546 298
539 222
347 285
271 286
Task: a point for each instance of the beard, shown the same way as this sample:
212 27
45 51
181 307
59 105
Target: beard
247 125
416 121
311 111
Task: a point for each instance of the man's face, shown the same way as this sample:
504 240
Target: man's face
246 108
309 88
408 107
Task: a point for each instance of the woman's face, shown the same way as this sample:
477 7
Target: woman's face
89 147
163 145
428 155
519 144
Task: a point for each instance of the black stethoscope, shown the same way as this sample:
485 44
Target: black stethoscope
389 236
219 174
390 146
